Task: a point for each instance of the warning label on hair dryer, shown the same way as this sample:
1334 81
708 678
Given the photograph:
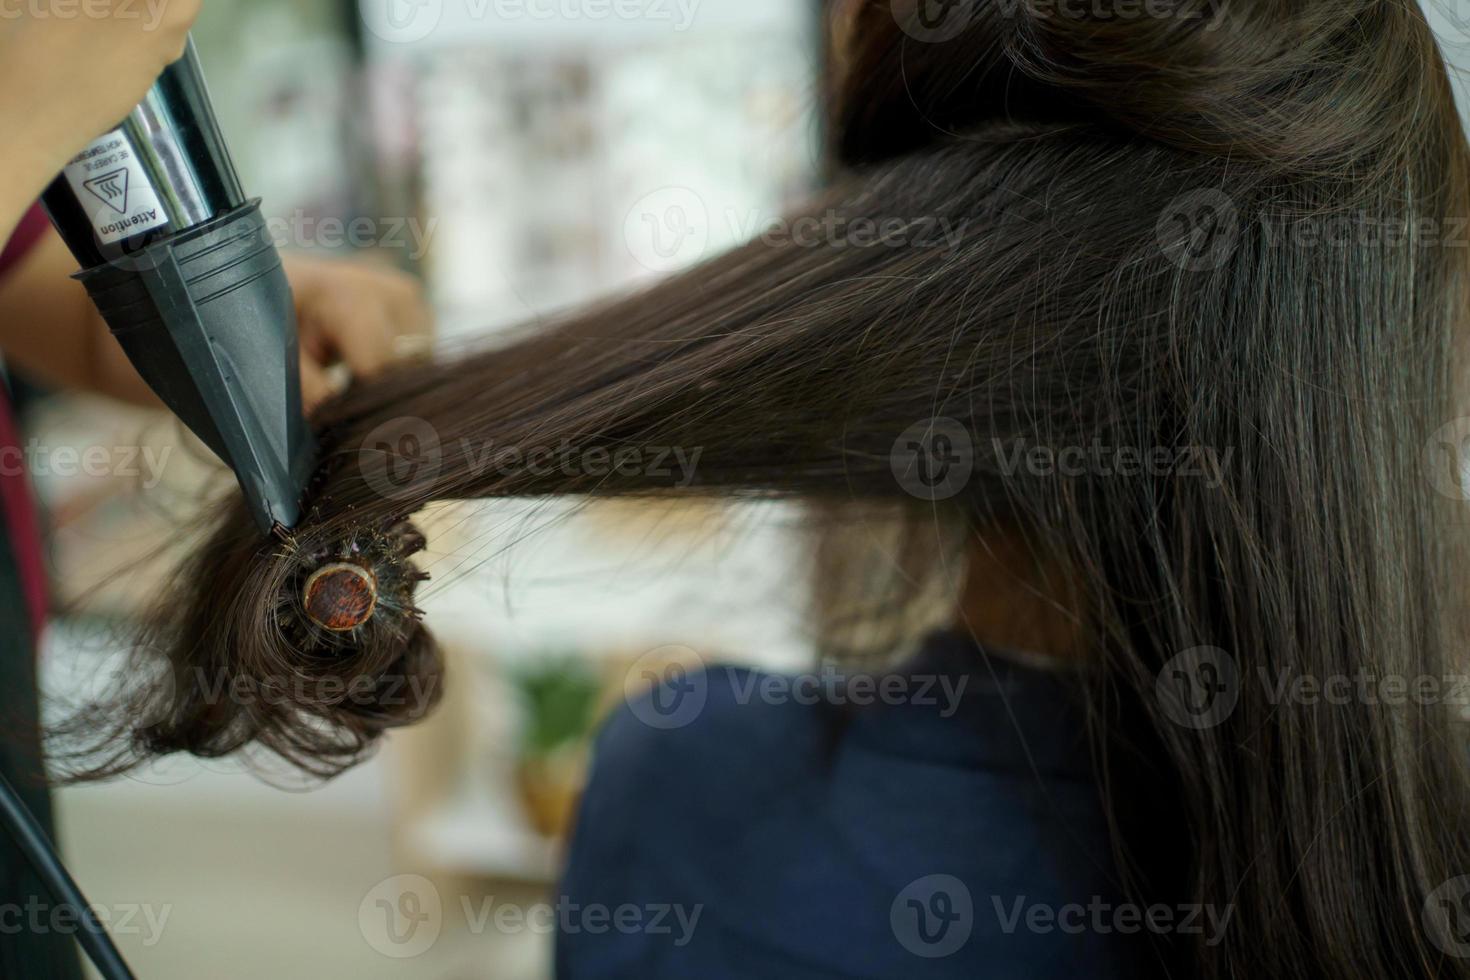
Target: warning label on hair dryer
113 188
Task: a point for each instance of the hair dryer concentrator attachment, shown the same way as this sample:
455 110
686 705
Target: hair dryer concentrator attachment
181 267
207 318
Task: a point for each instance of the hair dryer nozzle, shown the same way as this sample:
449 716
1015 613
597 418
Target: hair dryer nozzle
207 318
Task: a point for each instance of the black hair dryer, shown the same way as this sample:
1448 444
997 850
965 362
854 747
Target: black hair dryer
184 271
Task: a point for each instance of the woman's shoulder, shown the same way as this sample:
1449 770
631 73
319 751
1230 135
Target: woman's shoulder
715 721
826 829
951 705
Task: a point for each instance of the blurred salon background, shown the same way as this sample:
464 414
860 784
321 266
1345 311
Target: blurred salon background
521 156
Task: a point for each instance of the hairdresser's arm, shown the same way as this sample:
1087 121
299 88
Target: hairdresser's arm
49 327
348 311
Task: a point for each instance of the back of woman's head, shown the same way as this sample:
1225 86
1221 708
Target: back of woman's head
1235 233
1171 290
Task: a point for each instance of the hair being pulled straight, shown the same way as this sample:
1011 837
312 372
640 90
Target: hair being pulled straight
1055 287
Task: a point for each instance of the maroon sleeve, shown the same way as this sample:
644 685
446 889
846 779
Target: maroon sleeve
26 234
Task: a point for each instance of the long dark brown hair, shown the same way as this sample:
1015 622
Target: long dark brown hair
1229 232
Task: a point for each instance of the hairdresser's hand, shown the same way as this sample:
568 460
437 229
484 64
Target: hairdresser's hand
65 79
358 314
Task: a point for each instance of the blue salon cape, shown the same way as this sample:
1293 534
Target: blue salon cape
738 825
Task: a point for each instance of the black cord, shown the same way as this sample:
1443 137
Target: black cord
32 841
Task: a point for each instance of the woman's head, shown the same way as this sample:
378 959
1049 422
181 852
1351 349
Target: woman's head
1171 292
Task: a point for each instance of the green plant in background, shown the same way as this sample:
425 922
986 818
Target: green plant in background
560 695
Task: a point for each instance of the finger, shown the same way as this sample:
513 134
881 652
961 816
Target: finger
364 340
412 345
315 387
412 314
354 328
